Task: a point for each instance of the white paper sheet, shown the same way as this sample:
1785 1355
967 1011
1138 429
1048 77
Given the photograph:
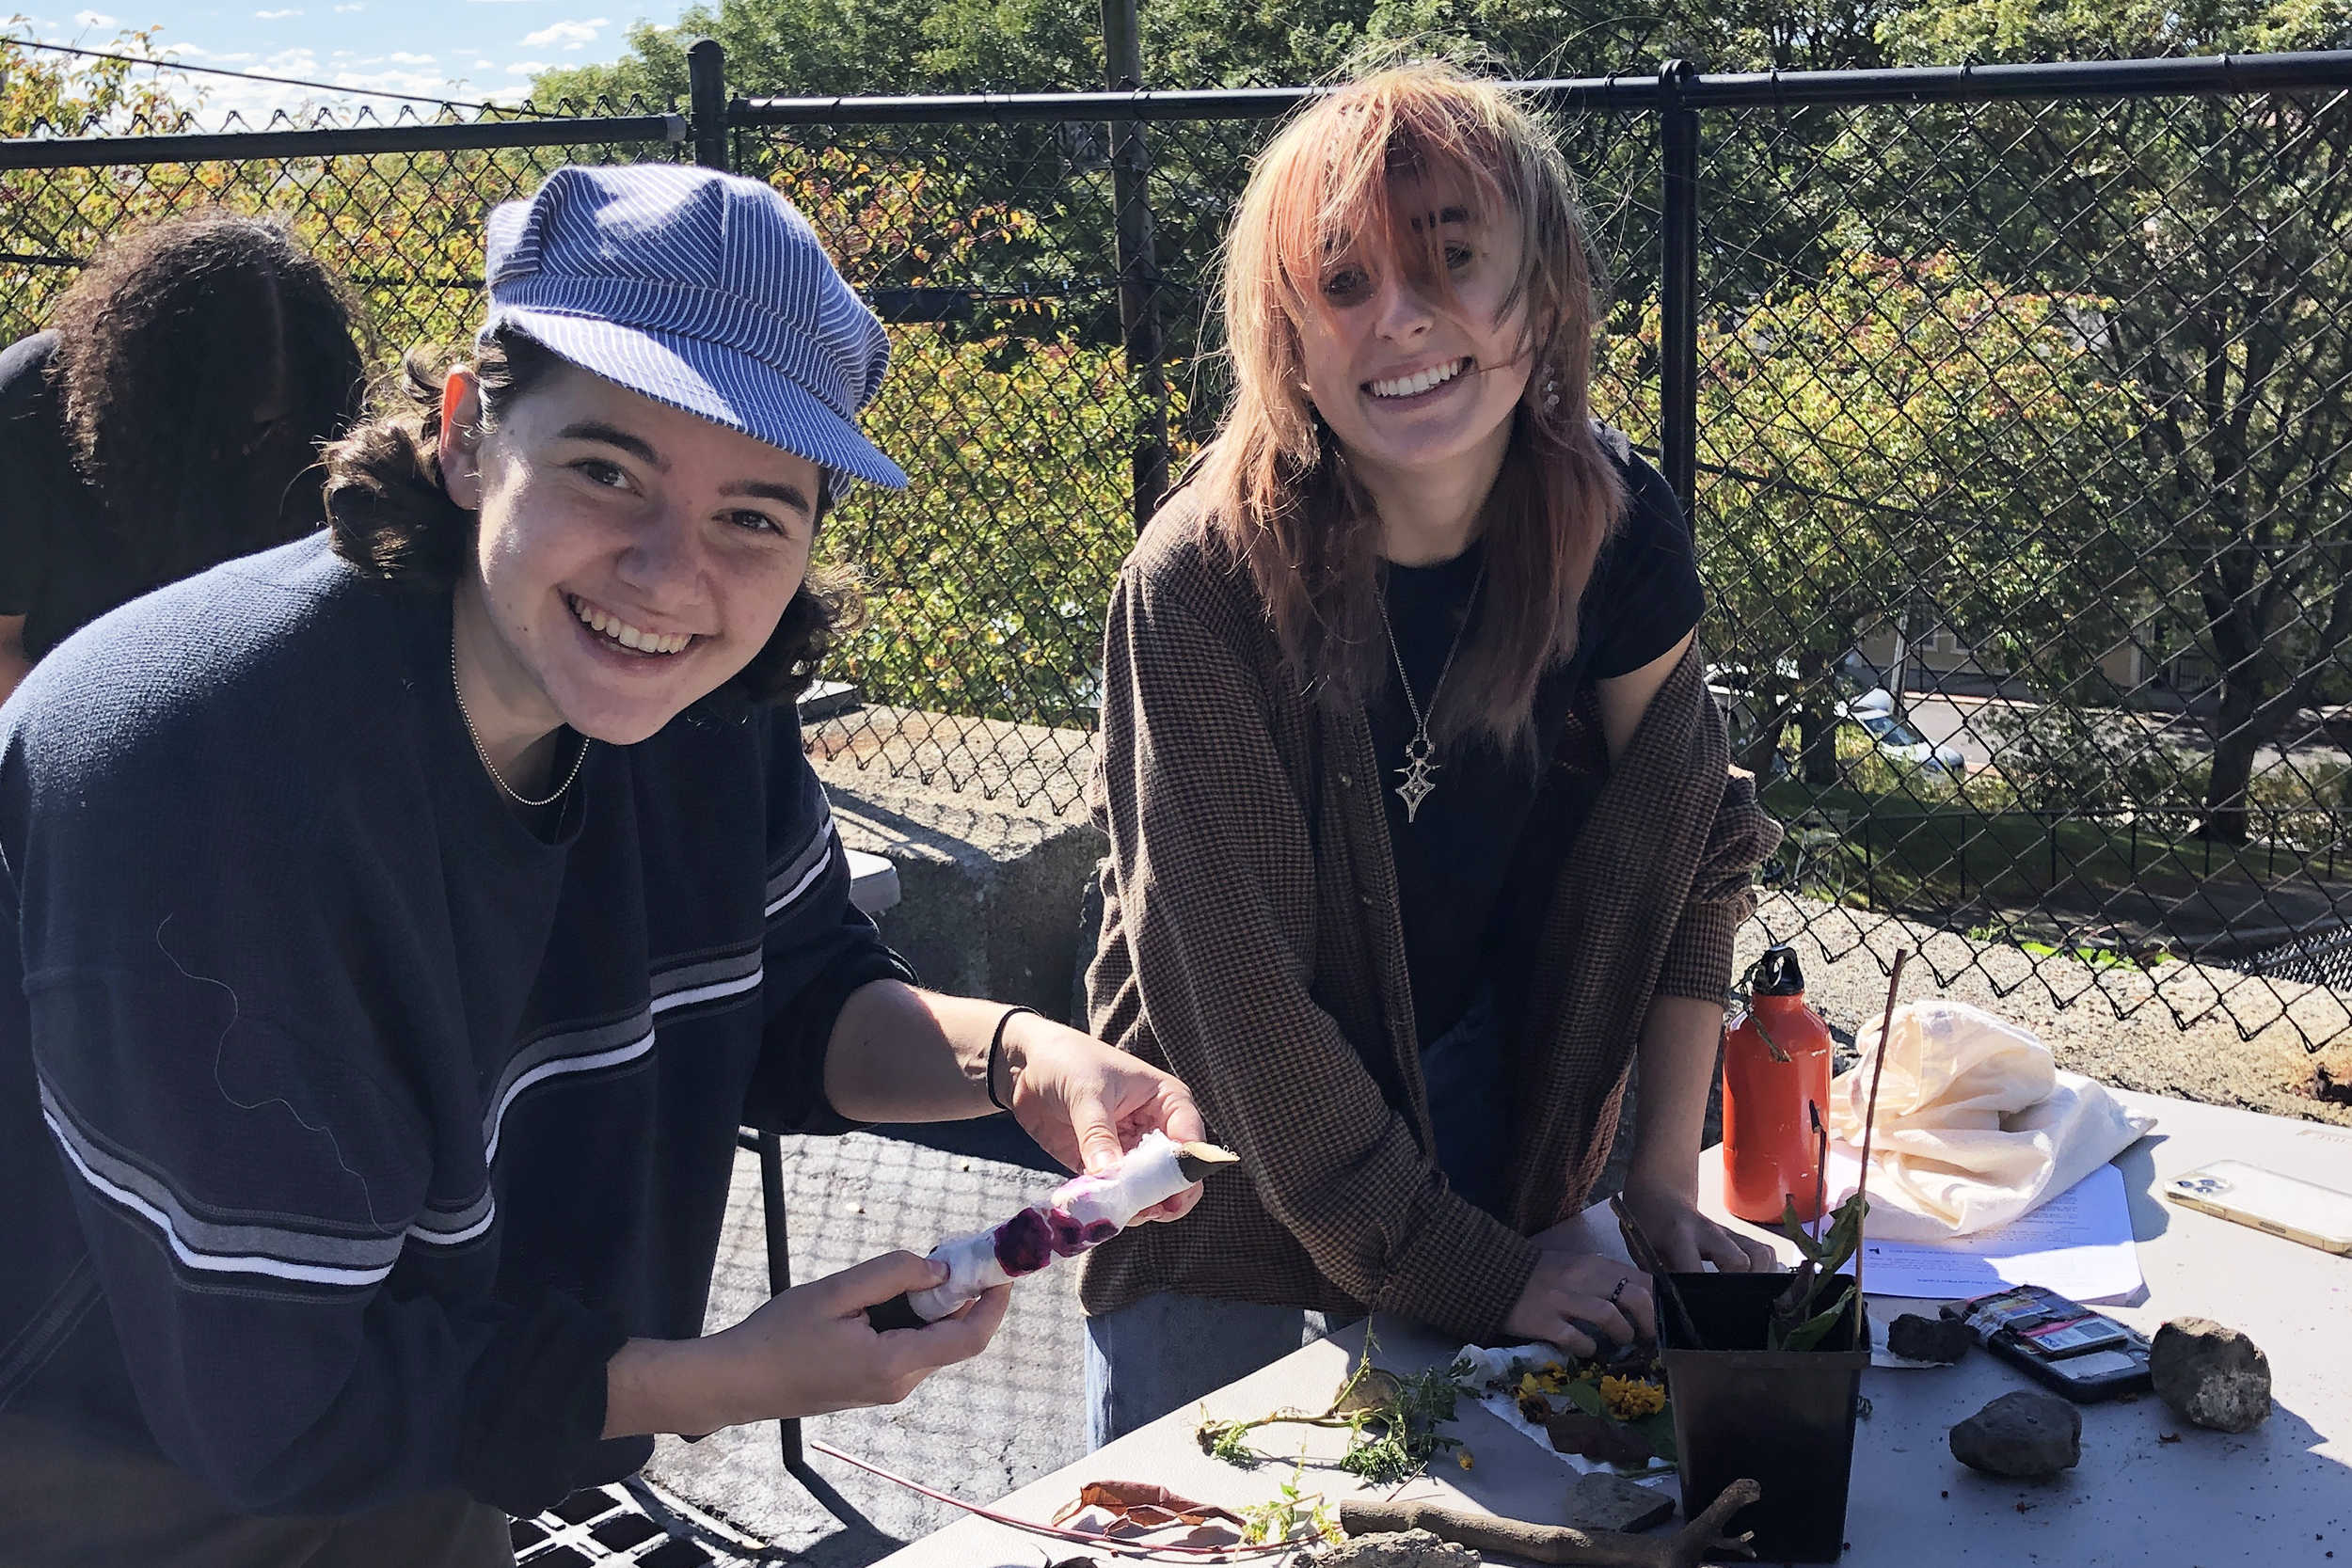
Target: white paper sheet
2079 1244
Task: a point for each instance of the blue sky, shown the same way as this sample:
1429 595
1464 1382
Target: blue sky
473 49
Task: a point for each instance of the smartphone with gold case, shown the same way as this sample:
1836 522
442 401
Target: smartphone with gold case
2285 1206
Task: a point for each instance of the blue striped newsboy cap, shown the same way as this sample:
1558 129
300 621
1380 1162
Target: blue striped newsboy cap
701 290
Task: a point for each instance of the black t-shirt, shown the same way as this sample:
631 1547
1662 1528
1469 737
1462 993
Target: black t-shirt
1455 856
61 560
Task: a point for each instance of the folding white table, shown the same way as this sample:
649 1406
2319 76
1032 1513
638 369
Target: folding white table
2281 1494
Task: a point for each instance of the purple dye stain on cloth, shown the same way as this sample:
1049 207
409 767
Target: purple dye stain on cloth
1035 1236
1070 1238
1024 1243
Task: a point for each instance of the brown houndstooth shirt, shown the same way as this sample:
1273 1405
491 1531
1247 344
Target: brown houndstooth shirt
1250 944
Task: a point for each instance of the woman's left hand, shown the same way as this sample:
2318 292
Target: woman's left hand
1684 1236
1086 1103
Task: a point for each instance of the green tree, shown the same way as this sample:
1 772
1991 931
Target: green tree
2214 231
1897 434
822 47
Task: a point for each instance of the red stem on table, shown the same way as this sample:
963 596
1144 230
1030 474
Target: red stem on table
1142 1549
1869 1125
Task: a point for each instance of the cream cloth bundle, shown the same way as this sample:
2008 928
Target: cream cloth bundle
1976 1124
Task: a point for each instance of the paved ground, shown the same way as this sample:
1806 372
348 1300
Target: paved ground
1975 725
977 1431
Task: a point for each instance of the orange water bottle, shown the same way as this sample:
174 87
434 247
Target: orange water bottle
1776 1071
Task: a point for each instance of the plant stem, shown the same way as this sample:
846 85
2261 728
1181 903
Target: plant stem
1869 1125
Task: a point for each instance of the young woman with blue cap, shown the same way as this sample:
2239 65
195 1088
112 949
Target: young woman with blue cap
404 919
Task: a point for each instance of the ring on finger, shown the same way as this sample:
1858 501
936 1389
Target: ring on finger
1615 1294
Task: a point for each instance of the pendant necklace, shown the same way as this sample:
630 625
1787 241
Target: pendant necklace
1418 751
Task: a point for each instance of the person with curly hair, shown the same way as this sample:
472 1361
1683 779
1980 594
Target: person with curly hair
1423 832
405 919
168 419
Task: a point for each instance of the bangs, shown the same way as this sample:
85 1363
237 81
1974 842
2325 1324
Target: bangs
1352 178
1355 180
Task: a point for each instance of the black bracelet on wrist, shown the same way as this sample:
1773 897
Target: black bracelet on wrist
996 1052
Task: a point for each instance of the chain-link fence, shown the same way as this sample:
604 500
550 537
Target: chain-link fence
2022 428
1032 428
394 205
2011 406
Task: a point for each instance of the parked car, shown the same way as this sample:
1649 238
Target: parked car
1874 711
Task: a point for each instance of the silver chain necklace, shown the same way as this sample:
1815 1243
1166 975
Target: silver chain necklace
475 736
1418 751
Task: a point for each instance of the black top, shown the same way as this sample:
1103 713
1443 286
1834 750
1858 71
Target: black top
347 1125
1455 856
62 563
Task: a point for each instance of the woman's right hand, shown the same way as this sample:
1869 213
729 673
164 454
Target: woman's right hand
807 1352
1570 1289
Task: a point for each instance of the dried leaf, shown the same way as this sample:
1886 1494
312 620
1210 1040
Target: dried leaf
1144 1505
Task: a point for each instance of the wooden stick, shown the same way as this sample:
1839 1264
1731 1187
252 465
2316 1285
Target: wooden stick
1869 1125
1199 1162
1646 1258
1560 1543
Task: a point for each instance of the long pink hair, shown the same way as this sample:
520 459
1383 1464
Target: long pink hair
1275 481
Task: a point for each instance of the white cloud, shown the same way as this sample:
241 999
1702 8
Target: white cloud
273 16
486 65
402 57
94 19
527 68
355 6
571 35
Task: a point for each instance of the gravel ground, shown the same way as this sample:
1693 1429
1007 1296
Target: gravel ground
2119 1024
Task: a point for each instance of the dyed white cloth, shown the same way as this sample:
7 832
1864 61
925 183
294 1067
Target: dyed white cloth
1148 1174
1977 1125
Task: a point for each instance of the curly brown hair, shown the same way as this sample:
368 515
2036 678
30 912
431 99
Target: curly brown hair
201 362
388 513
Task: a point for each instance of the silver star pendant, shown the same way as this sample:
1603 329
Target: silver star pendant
1416 787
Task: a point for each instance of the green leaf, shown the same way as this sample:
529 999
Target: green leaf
1844 1236
1659 1427
1809 1334
1588 1399
1794 1230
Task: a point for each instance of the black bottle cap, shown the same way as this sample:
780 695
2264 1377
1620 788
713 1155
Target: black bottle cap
1776 974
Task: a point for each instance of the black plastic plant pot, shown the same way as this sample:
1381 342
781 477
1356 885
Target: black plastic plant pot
1783 1418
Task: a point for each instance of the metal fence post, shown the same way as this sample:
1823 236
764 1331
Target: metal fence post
1678 284
1139 264
707 97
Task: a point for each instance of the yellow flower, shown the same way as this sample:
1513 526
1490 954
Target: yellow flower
1629 1399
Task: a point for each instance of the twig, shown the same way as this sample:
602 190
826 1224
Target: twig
1869 1125
1560 1543
1647 1259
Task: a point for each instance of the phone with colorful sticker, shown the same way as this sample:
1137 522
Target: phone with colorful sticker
2084 1354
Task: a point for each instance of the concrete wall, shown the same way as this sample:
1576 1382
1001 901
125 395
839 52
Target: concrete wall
990 892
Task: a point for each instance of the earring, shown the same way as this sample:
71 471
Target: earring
1551 393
